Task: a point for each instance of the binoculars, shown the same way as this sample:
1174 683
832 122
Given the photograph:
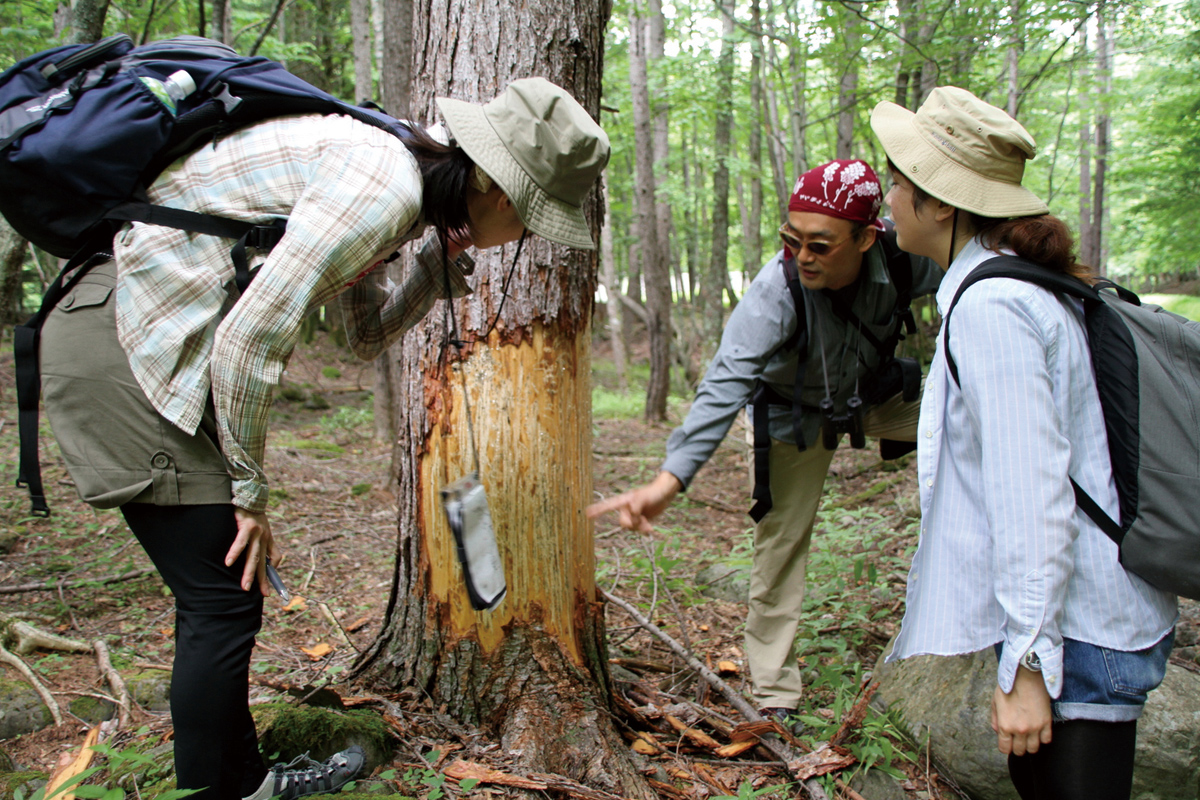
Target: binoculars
851 422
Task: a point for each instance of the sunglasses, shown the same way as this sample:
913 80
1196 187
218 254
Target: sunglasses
816 248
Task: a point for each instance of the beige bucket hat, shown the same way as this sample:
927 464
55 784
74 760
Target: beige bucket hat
542 148
962 151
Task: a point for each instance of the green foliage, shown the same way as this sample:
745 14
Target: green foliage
1185 305
357 420
130 772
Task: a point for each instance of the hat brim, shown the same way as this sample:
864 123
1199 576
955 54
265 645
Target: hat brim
921 162
541 213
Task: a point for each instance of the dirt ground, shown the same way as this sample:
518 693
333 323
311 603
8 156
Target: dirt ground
334 512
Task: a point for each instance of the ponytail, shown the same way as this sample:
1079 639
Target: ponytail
1042 239
446 172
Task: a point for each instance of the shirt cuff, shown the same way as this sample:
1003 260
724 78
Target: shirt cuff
681 468
429 259
1048 652
251 496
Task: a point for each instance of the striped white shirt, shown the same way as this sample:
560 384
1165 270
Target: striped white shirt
1004 553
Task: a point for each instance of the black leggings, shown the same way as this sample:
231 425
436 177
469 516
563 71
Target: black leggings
1086 760
216 747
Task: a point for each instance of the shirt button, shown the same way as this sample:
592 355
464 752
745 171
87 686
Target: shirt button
928 434
929 481
160 461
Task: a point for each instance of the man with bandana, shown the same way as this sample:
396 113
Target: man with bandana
808 384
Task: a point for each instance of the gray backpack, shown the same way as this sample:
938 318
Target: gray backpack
1147 364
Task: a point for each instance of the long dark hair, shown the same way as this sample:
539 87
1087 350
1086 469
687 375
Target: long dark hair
445 175
1043 239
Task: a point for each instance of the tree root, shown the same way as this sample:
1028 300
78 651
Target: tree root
24 638
785 753
115 681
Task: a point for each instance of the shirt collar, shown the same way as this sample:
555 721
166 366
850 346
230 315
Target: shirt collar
971 256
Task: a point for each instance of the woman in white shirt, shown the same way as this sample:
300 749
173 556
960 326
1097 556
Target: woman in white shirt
1006 559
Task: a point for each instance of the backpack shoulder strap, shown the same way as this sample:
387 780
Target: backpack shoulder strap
1019 269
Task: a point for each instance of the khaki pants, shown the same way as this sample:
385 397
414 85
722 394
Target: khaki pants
781 543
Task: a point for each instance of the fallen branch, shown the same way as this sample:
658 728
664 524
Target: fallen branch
777 747
43 586
23 638
114 680
20 666
536 781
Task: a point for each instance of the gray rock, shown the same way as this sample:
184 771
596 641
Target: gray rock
725 582
151 689
876 785
21 709
948 700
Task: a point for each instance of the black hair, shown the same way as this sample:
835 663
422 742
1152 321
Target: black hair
445 176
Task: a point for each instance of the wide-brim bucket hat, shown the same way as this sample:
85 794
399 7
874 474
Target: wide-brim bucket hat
962 151
542 148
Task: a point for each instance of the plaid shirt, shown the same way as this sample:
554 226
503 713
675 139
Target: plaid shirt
351 194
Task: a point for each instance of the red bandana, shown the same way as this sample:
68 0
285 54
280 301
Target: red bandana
844 189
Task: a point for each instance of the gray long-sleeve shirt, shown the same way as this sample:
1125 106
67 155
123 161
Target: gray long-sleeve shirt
752 348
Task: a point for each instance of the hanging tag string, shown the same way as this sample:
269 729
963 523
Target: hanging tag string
450 324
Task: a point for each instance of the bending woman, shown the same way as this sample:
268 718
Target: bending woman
185 369
1006 559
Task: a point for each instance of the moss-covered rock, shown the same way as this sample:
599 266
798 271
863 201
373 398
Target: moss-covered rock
21 709
92 710
292 730
25 782
151 689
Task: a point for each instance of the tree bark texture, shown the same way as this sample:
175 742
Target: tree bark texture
714 288
396 66
848 85
87 20
12 260
612 291
752 224
533 671
655 268
360 32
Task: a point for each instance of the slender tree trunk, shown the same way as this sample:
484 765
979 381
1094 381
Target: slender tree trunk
691 235
533 672
655 267
1085 152
360 32
1104 90
752 224
13 248
848 85
87 20
612 293
714 288
1014 58
396 66
222 21
660 113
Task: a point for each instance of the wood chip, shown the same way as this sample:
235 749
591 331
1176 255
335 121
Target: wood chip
697 736
69 767
318 651
823 760
727 668
736 749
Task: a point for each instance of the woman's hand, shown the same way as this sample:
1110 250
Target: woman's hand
1021 718
637 508
253 537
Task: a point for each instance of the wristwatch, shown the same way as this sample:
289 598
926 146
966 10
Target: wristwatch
1031 662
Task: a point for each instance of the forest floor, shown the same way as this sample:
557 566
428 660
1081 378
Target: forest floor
333 510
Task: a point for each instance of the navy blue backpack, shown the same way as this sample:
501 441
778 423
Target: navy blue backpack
84 129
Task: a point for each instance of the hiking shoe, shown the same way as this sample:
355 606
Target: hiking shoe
788 718
304 776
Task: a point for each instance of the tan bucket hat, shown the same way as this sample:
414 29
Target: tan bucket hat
542 148
962 151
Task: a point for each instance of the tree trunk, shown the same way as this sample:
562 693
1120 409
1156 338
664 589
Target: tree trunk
654 266
87 20
752 225
1085 152
714 288
396 66
222 21
533 673
612 293
1014 58
1104 90
360 32
691 236
848 85
660 113
12 261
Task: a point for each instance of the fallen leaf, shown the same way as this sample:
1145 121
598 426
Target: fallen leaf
358 623
297 603
318 651
727 668
824 760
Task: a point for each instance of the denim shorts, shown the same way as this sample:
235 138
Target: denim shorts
1108 685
